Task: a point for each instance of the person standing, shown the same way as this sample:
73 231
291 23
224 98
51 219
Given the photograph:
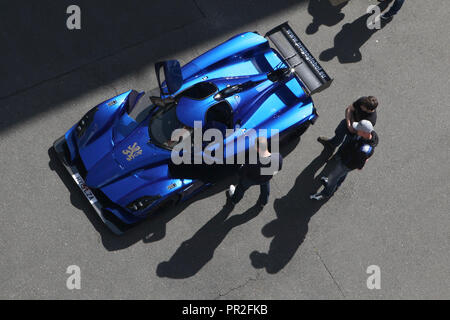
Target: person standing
362 109
393 10
353 154
257 174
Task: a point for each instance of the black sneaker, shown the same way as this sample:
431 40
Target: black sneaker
325 142
324 181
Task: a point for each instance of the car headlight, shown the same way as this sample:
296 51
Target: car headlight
142 203
85 122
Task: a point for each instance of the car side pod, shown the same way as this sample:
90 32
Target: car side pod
297 57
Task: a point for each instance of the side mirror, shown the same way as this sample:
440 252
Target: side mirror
172 75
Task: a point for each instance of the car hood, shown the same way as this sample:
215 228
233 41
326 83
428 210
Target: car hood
133 154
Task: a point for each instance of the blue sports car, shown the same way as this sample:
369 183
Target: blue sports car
119 153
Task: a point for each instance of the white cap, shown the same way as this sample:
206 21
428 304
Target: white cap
363 125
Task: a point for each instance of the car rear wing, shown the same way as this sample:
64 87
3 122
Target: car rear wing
298 57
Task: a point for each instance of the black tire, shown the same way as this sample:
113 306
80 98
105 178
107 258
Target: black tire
171 202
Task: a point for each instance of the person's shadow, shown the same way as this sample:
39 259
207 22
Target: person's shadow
196 252
324 13
293 212
348 42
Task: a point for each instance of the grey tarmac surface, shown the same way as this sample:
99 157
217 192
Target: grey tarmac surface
393 214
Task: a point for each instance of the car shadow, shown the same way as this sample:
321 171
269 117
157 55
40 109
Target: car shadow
348 41
293 212
324 13
152 229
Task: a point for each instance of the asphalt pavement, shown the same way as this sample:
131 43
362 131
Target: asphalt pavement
393 214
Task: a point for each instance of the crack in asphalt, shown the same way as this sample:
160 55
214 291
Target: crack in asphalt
199 8
332 277
239 286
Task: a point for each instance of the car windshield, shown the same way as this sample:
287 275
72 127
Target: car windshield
163 123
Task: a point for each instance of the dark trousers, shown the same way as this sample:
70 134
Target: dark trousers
395 7
244 184
339 134
335 178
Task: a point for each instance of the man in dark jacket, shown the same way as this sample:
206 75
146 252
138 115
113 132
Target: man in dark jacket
353 154
257 174
362 109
